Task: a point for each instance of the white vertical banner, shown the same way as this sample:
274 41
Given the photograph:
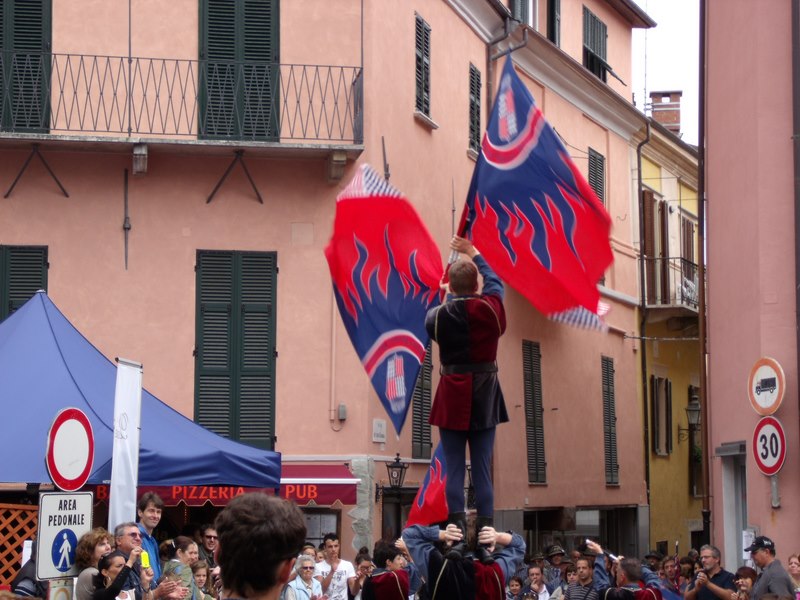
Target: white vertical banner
125 457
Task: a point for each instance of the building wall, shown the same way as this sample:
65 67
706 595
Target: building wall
751 236
147 312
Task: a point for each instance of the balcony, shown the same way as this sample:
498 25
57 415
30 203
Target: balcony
273 108
671 285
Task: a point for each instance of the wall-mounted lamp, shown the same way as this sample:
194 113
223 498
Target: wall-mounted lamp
397 473
693 418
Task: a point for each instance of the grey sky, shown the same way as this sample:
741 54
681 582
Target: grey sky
665 57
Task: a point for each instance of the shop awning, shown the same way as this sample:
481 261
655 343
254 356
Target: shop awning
320 485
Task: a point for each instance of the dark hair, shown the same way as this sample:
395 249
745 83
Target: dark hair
172 546
205 527
329 536
256 534
632 569
147 498
361 557
518 580
84 552
103 564
746 573
383 552
463 277
571 569
614 593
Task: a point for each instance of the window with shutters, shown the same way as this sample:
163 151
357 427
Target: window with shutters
595 36
523 11
421 410
661 415
609 421
534 411
235 345
597 174
474 108
554 21
656 249
423 66
23 272
25 65
239 69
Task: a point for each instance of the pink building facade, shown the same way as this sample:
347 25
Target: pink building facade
752 214
220 287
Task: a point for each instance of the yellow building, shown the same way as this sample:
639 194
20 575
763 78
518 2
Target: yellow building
670 348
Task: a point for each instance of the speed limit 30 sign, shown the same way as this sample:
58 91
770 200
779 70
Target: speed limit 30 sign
769 446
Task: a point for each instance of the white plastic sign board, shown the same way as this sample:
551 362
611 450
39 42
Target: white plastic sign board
63 519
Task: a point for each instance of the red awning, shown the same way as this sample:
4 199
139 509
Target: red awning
321 484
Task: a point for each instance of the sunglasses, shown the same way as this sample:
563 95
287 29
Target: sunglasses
134 535
210 537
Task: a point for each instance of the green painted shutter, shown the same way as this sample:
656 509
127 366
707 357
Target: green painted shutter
235 357
421 410
597 174
257 277
214 395
554 21
23 272
474 108
422 43
239 69
534 411
668 424
609 422
520 12
25 44
654 416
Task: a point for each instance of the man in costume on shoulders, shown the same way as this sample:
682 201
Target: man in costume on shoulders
469 402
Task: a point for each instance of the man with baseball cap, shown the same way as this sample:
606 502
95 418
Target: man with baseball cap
774 579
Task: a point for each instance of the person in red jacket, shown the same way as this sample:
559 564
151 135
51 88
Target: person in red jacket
468 404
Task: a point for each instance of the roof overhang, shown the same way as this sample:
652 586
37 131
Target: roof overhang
632 13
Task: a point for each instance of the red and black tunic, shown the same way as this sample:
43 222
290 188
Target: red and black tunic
467 329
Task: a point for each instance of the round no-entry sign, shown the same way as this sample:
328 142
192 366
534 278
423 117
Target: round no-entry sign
769 445
766 385
70 449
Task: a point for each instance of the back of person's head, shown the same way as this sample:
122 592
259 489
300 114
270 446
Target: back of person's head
257 533
632 568
463 277
383 552
615 593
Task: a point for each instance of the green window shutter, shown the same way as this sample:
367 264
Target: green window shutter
595 39
654 413
668 423
534 411
597 174
554 21
235 357
421 410
474 108
25 45
23 272
239 56
609 422
213 362
520 12
257 274
423 66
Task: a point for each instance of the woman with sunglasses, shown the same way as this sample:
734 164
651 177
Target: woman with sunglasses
304 586
744 579
91 547
113 573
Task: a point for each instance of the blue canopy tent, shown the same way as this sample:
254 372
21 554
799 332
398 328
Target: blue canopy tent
47 365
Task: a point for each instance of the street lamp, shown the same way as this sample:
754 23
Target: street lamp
693 412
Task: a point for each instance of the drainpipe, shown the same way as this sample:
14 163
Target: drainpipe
701 275
490 63
643 310
796 140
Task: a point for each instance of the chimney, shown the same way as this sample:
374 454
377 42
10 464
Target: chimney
665 108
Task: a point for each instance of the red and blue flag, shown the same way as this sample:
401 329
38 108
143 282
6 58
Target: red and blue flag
386 270
430 504
532 213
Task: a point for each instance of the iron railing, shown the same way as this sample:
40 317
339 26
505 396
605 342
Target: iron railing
671 281
149 97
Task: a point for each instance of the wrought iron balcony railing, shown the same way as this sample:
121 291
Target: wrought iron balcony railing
671 281
158 97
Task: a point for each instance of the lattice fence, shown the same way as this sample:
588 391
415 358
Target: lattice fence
18 523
